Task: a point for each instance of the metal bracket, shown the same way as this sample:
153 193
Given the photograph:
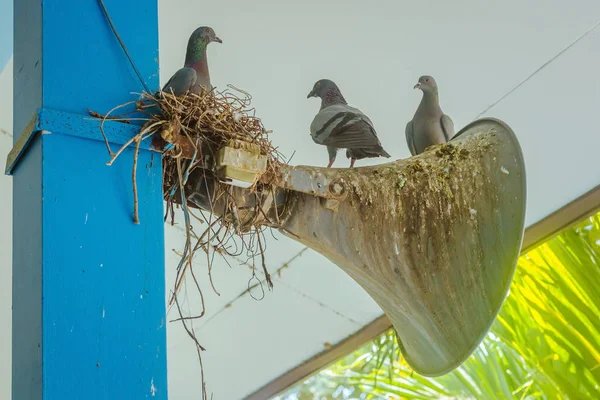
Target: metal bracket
22 143
313 181
83 126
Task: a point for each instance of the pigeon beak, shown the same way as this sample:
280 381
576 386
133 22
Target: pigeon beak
417 86
218 40
311 94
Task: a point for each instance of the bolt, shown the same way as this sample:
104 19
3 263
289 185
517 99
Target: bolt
336 187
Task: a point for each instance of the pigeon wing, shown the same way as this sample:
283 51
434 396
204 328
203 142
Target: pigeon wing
447 127
410 138
181 82
344 127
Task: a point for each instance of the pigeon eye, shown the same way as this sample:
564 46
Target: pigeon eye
427 80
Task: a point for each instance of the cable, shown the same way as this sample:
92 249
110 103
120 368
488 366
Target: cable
112 26
560 53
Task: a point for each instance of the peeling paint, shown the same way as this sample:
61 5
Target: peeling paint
152 388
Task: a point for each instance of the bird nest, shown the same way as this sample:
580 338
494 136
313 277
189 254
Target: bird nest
193 131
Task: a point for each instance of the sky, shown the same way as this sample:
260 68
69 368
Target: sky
6 31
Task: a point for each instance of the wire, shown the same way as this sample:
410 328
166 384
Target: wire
560 53
112 26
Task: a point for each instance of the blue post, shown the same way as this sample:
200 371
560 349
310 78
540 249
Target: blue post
88 284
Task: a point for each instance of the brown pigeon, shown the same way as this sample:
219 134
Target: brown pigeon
339 126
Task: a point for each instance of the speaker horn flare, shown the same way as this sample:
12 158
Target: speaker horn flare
433 239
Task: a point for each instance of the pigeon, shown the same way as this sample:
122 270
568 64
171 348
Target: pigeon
340 126
430 125
194 76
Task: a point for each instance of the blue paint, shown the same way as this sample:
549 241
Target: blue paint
89 298
103 279
97 76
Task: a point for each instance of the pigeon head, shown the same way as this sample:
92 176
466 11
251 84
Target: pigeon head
196 48
427 84
322 87
203 36
328 91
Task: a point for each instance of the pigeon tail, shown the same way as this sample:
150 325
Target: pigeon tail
372 152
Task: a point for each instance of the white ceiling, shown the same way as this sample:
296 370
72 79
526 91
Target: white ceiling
477 51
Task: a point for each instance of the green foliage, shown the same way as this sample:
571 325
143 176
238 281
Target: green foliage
545 343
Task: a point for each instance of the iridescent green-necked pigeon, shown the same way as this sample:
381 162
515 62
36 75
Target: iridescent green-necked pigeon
430 125
194 75
339 126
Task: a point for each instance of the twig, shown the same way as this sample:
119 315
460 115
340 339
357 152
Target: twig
104 118
289 160
262 258
100 116
185 325
255 285
181 318
199 347
249 289
114 156
136 217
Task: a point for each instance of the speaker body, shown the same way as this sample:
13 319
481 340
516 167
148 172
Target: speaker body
434 239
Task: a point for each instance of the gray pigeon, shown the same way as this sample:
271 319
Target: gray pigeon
339 126
194 75
430 125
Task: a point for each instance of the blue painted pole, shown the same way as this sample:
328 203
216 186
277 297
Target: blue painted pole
88 284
